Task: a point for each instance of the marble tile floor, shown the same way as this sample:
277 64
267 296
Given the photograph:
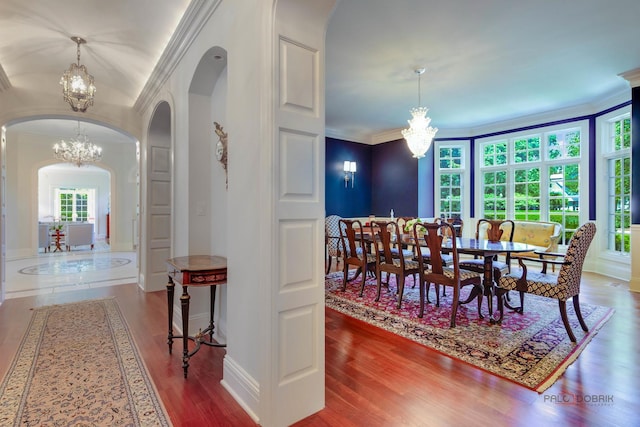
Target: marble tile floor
81 268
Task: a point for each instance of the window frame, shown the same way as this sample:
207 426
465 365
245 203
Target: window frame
464 171
609 153
543 163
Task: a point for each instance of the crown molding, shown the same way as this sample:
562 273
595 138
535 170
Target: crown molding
632 76
347 136
194 18
5 84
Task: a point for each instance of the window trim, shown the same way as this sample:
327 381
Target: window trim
464 170
604 155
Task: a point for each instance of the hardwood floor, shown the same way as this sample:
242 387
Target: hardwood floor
375 378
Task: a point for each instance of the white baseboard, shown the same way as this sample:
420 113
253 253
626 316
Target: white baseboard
244 389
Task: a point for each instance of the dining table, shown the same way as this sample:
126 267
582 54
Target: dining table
484 248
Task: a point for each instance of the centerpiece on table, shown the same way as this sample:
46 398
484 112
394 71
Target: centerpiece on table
56 227
408 227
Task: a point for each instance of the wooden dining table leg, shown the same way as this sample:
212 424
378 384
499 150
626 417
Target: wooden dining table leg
487 284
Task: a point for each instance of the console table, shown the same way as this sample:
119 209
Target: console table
194 270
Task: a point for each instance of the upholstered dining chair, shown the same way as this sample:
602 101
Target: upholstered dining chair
457 223
355 252
44 237
436 272
564 285
332 240
391 259
425 255
493 230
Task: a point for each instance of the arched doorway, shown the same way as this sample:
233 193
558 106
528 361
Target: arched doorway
27 147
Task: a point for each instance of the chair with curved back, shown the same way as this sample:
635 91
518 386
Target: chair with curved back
493 230
402 223
355 251
332 240
457 224
390 257
425 254
436 272
564 285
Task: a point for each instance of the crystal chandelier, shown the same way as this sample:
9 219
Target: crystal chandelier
77 84
78 151
419 135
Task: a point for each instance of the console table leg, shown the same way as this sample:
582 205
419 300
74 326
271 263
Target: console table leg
184 302
212 303
170 291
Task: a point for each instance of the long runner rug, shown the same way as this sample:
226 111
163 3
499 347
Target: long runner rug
78 365
530 349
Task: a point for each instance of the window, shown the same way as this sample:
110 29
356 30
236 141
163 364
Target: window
526 194
526 149
534 177
618 154
495 191
564 200
75 204
451 180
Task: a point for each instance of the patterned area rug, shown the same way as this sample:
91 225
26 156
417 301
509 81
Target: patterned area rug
69 266
530 349
78 366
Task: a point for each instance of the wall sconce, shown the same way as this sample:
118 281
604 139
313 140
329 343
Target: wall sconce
349 168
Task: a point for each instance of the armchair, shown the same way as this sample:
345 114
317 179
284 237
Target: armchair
332 240
561 287
78 234
44 237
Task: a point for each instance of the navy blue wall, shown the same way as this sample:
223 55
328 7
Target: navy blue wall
387 178
347 202
394 180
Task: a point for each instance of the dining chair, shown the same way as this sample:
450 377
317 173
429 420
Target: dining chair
436 272
392 259
402 223
564 285
425 254
492 230
457 223
332 240
355 251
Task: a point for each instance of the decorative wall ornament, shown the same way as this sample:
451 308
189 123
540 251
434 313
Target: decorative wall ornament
221 149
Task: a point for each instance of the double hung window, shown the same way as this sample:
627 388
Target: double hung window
617 152
451 179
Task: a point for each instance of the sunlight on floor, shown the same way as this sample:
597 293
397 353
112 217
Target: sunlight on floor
69 271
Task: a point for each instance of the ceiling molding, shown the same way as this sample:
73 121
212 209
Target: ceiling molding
613 99
632 76
386 136
195 17
5 84
347 136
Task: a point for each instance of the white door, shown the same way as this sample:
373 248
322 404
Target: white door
158 203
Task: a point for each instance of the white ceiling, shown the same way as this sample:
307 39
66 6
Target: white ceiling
486 60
